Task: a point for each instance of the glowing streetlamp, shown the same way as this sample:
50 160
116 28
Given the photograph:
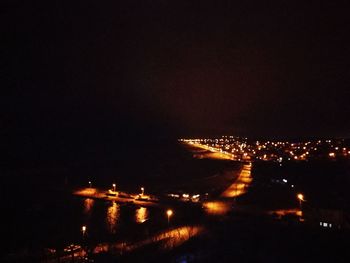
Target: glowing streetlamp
301 199
142 191
83 230
113 187
90 184
169 213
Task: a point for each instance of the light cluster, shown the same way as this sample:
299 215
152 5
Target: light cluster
243 149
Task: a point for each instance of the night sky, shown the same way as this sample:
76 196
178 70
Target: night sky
80 73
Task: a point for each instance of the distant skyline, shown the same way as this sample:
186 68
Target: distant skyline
94 72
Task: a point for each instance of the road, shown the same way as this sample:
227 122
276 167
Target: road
169 239
214 152
241 184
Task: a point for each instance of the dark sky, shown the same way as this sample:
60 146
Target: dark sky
86 70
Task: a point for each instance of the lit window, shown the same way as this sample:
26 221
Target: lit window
325 224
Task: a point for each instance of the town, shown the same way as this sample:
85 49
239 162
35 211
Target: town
244 149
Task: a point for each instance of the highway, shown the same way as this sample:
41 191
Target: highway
169 238
214 153
241 184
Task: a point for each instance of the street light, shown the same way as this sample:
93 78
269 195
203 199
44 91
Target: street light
90 184
84 240
142 190
113 187
301 199
83 229
169 213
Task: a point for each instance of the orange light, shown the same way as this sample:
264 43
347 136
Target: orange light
300 197
141 215
169 212
83 229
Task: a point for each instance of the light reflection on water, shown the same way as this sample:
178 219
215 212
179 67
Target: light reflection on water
141 215
88 205
113 213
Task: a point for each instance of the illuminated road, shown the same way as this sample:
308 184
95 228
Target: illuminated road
217 207
284 212
244 178
241 184
168 239
72 253
239 187
214 152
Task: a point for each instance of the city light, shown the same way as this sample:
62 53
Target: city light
242 149
169 213
300 197
216 207
83 230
